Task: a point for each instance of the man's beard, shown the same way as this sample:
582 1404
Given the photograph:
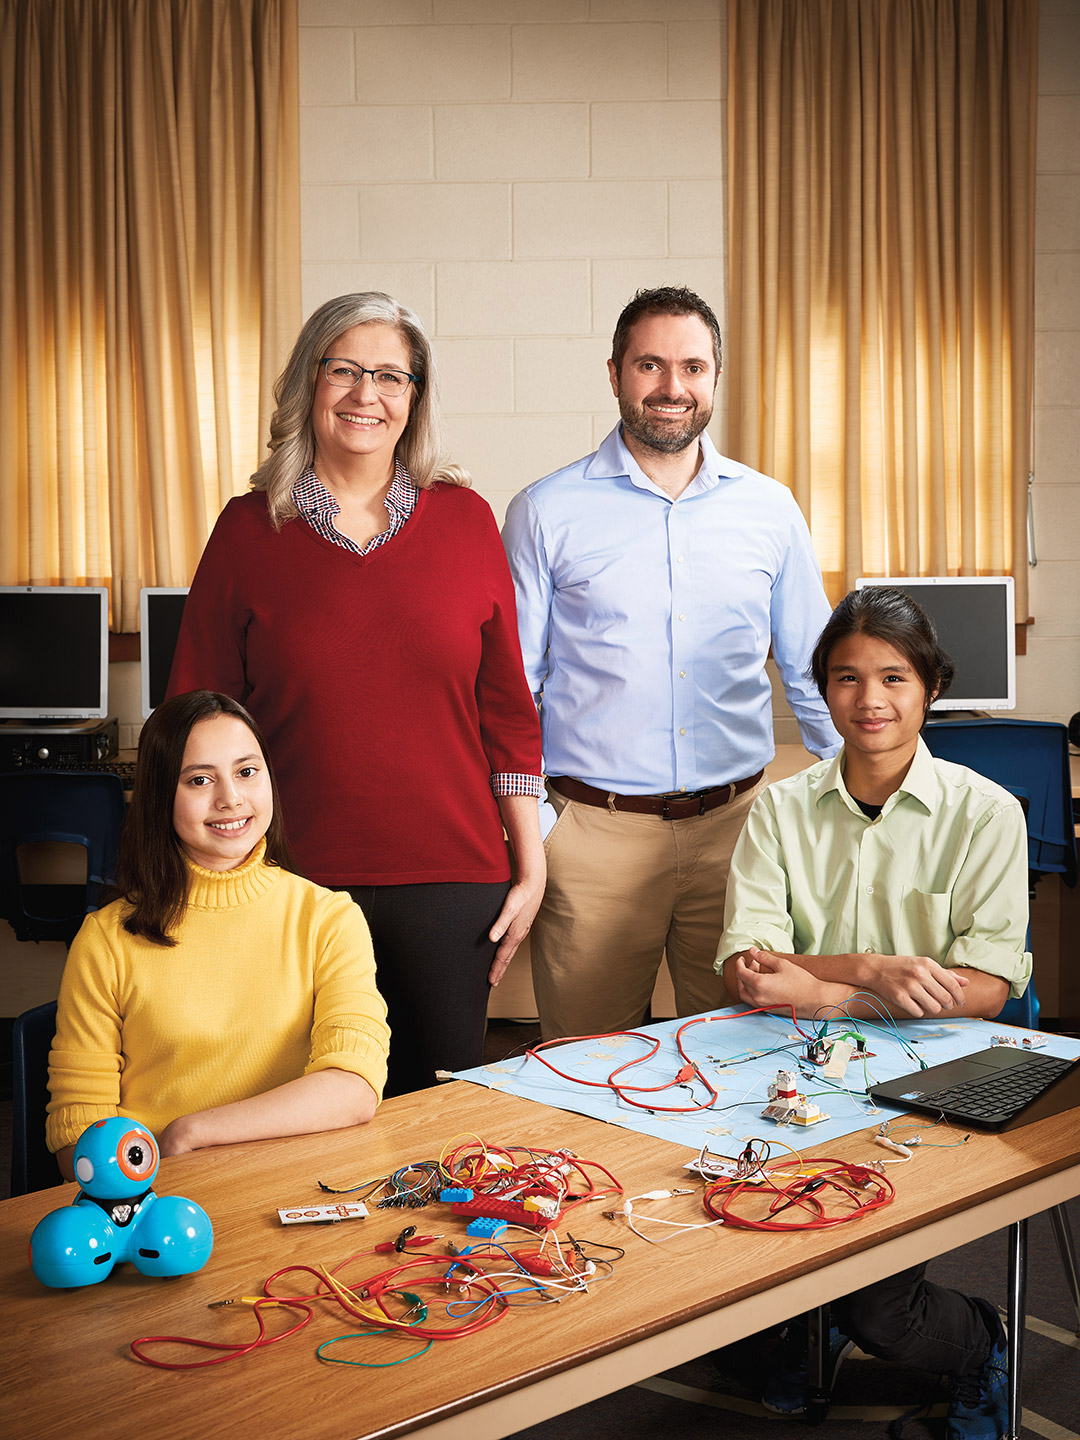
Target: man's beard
666 436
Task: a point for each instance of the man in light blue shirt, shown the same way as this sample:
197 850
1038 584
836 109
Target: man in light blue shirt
651 579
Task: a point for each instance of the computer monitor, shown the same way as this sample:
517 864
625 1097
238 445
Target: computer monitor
974 618
54 652
160 610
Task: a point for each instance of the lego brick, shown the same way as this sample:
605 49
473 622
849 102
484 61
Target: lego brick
512 1211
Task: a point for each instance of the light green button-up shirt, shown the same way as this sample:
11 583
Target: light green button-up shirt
941 872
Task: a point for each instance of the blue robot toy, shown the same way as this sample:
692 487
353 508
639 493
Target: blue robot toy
116 1216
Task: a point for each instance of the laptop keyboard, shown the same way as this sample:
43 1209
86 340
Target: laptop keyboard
1000 1095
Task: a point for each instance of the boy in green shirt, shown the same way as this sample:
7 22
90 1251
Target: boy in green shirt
889 872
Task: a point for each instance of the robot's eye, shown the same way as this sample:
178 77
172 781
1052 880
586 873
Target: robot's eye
137 1154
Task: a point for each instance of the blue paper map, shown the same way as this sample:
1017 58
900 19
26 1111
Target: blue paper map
740 1057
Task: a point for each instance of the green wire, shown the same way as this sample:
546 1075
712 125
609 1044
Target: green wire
367 1364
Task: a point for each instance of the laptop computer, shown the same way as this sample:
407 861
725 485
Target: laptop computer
995 1089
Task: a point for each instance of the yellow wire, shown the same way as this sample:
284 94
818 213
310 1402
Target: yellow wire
461 1135
349 1297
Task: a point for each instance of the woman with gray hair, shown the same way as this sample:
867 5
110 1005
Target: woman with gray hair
358 602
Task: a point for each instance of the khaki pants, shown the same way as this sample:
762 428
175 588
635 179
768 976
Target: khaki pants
622 889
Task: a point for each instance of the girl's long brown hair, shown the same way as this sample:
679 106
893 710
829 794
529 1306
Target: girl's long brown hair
151 874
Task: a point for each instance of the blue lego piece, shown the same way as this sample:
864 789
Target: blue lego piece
484 1228
455 1193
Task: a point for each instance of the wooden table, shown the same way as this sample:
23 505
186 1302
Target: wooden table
69 1372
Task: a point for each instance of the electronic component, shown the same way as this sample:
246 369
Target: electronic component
803 1112
783 1087
322 1214
537 1263
840 1052
711 1167
786 1106
407 1240
902 1150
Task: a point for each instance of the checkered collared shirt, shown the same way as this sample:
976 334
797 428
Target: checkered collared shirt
319 508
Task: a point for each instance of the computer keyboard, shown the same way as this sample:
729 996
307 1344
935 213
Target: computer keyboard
999 1096
124 768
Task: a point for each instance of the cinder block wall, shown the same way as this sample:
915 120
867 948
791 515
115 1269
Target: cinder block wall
1049 675
514 170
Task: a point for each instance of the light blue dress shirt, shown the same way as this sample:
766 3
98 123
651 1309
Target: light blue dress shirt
646 622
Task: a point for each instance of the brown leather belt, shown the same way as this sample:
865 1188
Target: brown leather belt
678 806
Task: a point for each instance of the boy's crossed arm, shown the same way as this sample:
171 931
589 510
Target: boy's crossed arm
907 986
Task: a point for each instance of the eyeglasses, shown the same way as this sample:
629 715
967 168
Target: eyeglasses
344 374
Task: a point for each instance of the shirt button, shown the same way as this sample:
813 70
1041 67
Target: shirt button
683 731
682 617
682 787
869 950
678 560
869 889
682 674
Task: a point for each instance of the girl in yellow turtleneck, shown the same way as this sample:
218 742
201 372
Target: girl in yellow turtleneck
222 997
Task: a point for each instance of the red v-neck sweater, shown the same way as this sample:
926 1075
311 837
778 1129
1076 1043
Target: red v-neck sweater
389 685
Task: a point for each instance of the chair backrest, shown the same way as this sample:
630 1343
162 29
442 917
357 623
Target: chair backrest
33 1166
81 807
1030 758
1023 1012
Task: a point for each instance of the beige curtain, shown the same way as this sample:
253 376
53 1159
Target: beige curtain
149 277
881 204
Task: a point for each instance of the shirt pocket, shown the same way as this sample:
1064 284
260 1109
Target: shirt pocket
925 924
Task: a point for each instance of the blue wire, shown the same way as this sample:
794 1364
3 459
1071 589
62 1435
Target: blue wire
512 1258
459 1308
891 1029
888 1024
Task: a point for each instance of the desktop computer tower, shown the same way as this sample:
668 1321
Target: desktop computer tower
72 743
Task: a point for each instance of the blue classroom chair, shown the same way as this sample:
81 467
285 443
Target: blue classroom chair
33 1165
1030 759
49 806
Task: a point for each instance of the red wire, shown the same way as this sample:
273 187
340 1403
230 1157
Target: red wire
378 1287
534 1052
729 1191
623 1092
547 1176
234 1350
552 1174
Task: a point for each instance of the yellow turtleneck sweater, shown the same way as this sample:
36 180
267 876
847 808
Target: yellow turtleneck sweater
272 978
